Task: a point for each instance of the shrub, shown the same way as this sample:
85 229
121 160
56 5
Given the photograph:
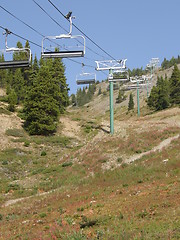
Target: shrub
43 153
67 164
119 160
4 162
42 215
26 143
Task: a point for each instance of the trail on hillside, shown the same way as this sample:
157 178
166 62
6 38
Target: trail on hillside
133 158
159 147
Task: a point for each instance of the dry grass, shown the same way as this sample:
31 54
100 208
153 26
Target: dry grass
67 193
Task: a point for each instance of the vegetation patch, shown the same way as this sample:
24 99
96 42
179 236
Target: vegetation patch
15 132
4 111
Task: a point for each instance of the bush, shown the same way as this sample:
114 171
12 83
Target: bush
119 160
43 153
42 215
26 143
67 164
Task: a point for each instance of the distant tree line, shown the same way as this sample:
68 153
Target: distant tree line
166 93
83 96
41 89
169 63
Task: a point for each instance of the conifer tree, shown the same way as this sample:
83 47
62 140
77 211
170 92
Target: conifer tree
18 84
131 102
121 97
73 99
159 96
12 100
3 74
175 86
41 109
99 91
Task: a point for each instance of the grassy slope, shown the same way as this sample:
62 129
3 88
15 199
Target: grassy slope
96 194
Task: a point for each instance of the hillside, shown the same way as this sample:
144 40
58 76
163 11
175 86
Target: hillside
83 183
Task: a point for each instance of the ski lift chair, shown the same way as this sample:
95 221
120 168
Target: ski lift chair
64 53
85 77
119 76
15 63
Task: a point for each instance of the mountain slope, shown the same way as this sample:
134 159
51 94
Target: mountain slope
84 183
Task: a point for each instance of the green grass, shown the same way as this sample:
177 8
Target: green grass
4 111
52 140
15 132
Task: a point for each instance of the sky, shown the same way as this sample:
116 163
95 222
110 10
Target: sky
125 29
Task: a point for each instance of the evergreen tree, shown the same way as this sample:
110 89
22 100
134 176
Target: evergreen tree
163 94
41 109
3 74
99 91
159 96
60 88
175 86
131 102
12 100
73 99
121 97
18 84
153 98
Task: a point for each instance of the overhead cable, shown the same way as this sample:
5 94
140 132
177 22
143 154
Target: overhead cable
63 27
22 37
22 21
82 31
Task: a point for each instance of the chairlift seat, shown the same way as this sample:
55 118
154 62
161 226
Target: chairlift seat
62 54
89 81
14 64
118 79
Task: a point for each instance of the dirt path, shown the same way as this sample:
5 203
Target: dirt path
70 128
14 201
159 147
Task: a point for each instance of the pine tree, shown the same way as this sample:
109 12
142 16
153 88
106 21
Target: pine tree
131 102
41 109
159 96
18 84
121 97
99 91
60 87
3 74
12 100
153 98
175 86
73 99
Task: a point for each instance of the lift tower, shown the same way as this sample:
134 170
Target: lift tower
111 66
